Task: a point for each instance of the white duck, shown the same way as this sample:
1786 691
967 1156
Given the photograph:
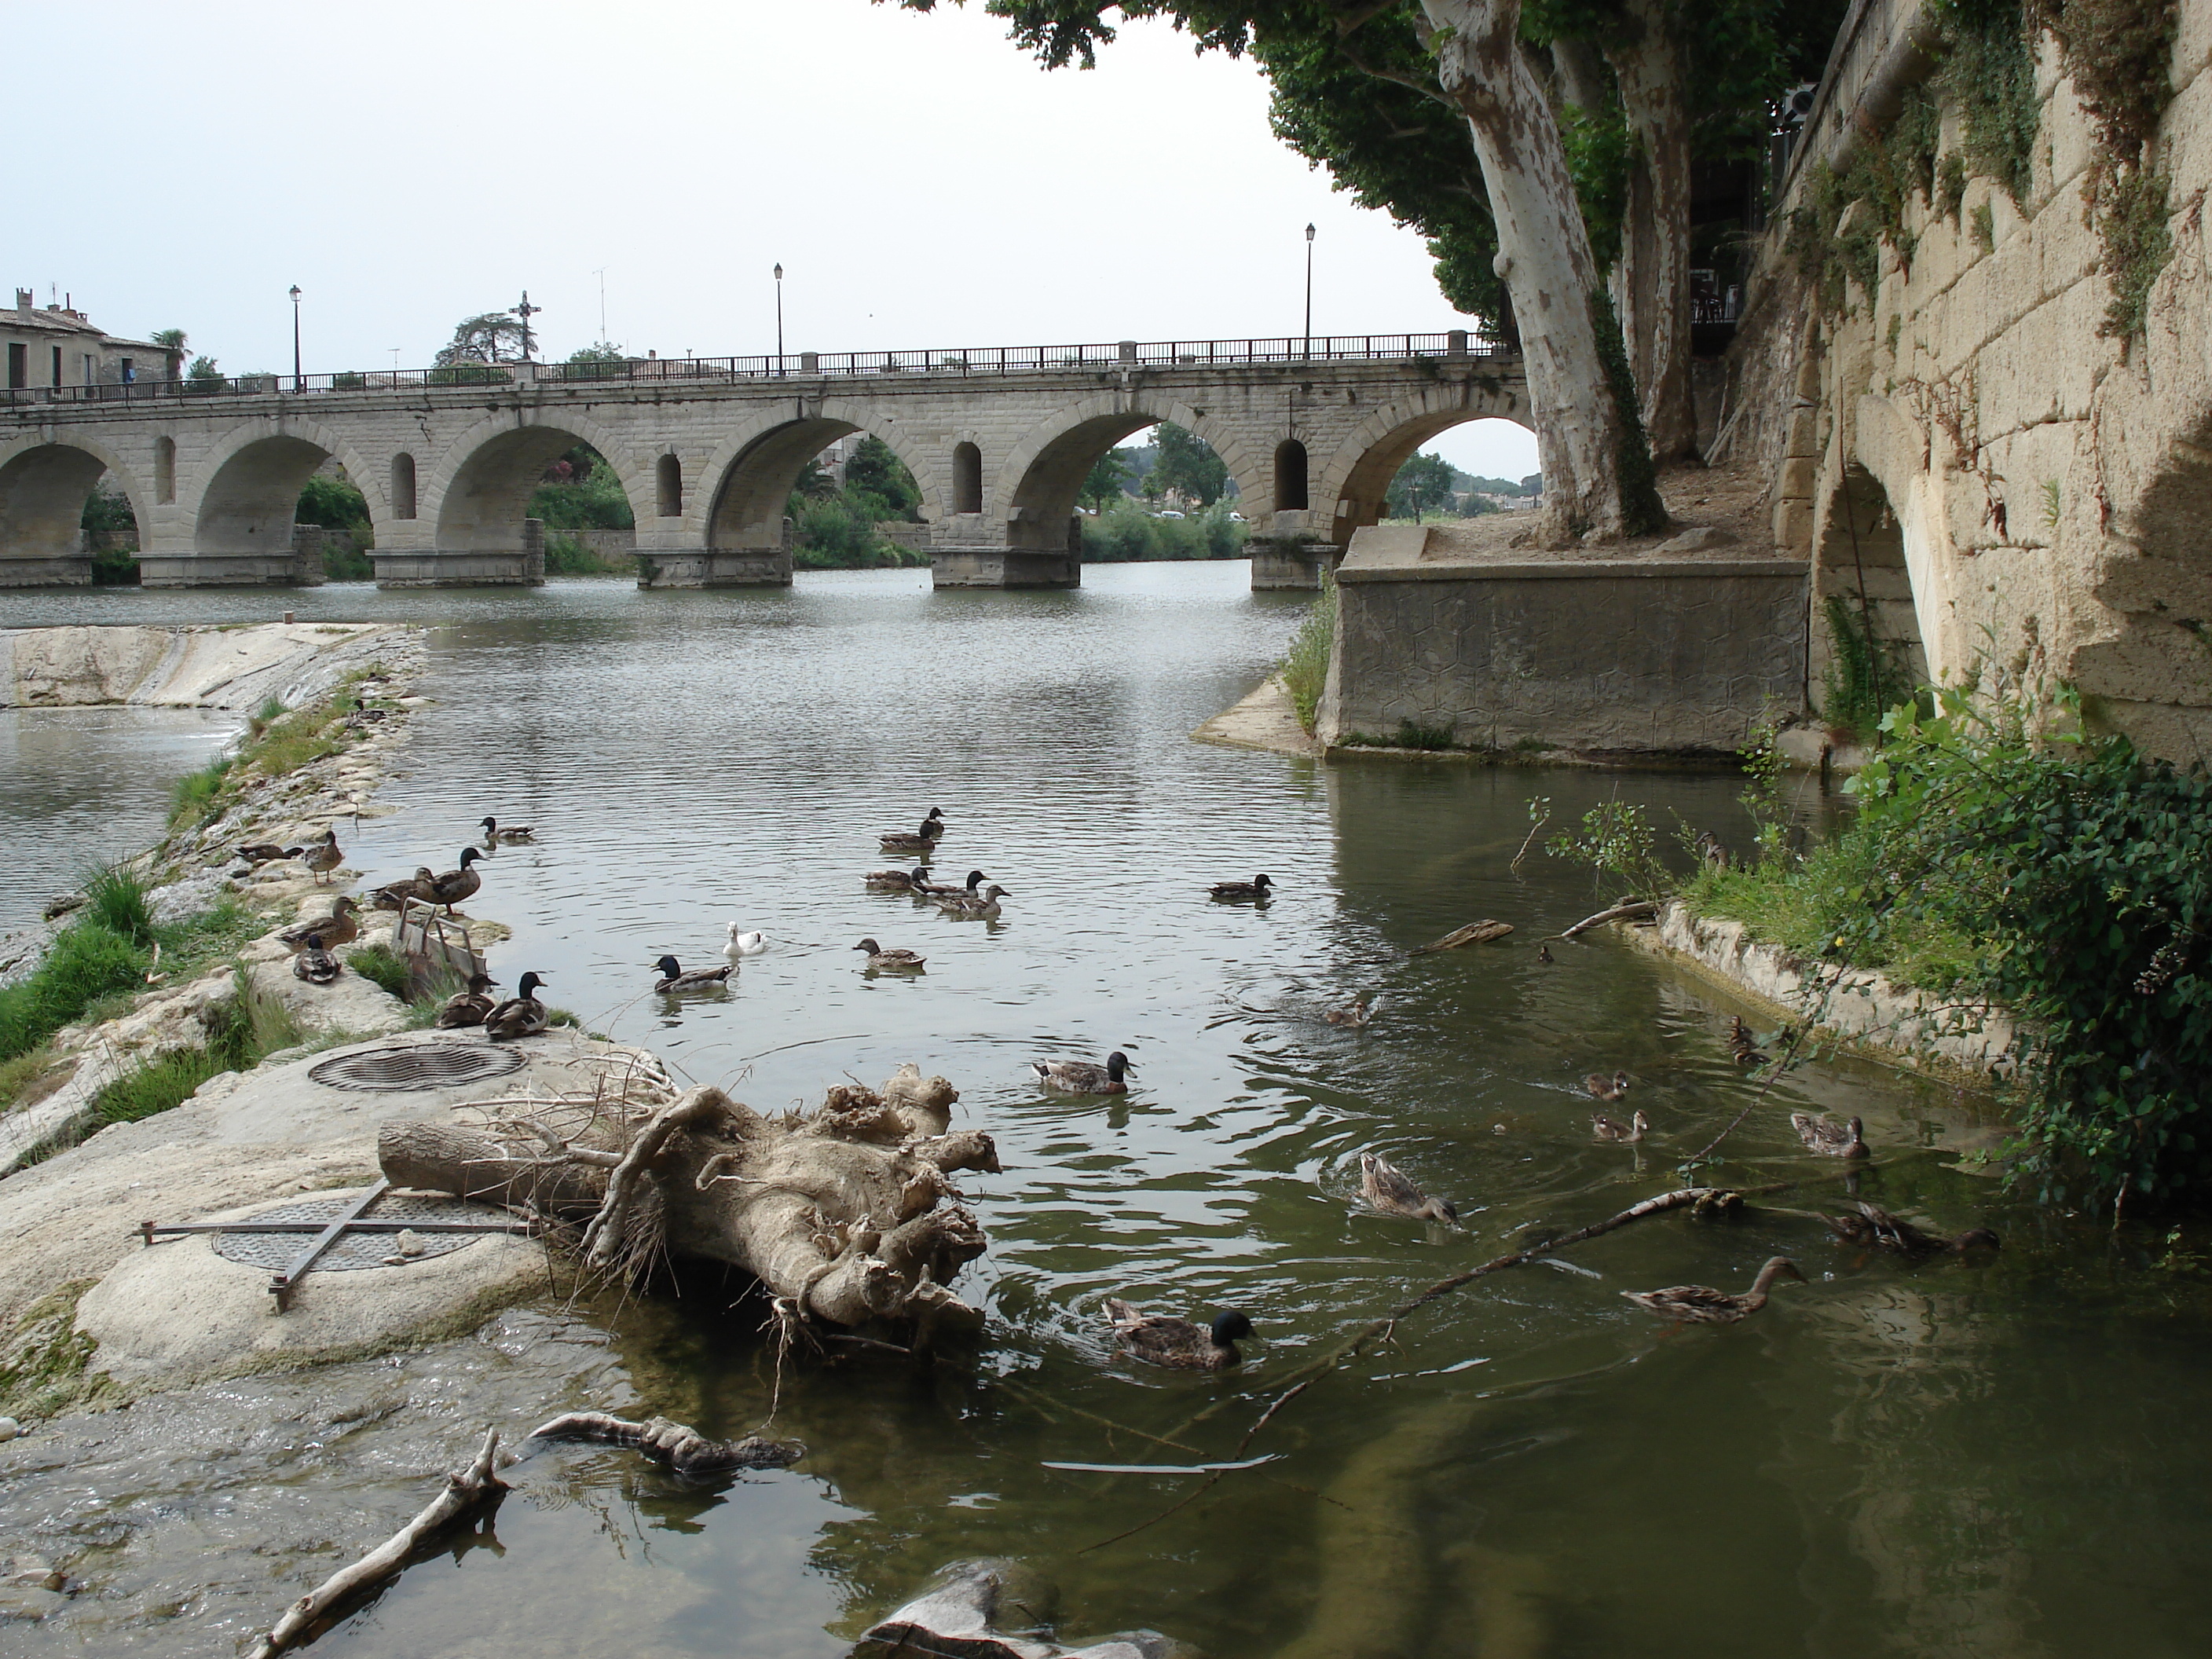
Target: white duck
743 943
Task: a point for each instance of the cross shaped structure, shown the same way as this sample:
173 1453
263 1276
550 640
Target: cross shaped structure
527 311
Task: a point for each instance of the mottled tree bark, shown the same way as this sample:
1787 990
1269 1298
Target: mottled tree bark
1651 290
1544 258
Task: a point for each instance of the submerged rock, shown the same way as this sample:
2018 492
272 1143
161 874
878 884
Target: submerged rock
997 1609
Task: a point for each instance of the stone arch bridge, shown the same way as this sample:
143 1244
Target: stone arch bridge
708 451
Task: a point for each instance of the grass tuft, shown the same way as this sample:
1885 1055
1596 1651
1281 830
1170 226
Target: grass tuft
1305 667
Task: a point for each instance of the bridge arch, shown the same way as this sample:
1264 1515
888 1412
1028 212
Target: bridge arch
746 483
1866 596
479 491
249 485
1356 477
1037 487
44 485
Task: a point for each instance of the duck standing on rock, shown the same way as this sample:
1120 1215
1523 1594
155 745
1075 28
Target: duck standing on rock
1601 1087
326 857
464 1008
1177 1344
1245 892
879 958
314 964
508 838
1829 1138
1081 1076
1386 1188
421 886
338 928
922 840
521 1015
1701 1304
673 977
455 886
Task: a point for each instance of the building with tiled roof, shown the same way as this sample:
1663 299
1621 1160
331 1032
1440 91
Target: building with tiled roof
59 346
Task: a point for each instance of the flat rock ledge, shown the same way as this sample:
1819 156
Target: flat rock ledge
1889 1021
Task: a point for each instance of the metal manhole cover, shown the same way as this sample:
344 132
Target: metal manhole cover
424 1066
275 1252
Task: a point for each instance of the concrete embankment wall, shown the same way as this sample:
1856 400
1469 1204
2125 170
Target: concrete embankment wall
182 667
1587 653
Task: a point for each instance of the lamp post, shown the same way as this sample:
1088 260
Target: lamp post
779 318
295 339
1309 236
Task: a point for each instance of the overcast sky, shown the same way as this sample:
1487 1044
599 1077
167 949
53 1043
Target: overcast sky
923 182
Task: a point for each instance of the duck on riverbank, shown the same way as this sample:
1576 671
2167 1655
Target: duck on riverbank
338 928
521 1015
1177 1344
314 964
464 1008
455 886
421 886
326 857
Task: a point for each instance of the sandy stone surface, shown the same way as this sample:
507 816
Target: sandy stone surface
1264 719
184 667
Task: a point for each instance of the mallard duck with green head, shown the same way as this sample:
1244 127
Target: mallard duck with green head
1177 1344
521 1015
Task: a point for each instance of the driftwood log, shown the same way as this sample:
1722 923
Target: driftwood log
1628 910
466 1491
843 1214
683 1448
1475 932
996 1609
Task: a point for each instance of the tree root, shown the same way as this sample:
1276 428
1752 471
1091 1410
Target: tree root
683 1449
1634 910
465 1490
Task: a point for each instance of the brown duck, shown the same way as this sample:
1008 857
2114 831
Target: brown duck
1177 1344
1701 1304
1829 1138
1386 1188
1872 1227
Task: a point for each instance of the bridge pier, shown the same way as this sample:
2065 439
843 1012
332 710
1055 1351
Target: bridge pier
480 567
1292 560
60 570
715 567
1003 566
299 565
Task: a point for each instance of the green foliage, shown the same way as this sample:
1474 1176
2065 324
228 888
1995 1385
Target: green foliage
1107 482
166 1081
115 898
840 533
203 370
1422 485
1616 839
242 1031
333 504
1864 675
1641 509
174 338
1185 464
570 555
195 794
2131 214
875 470
1304 667
1986 227
1987 73
85 965
108 509
493 336
1602 156
581 492
1128 532
381 965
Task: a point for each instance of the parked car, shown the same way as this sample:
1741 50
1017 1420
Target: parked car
1167 512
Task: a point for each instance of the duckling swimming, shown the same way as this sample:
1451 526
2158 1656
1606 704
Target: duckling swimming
1177 1344
259 853
467 1008
879 958
1829 1138
1387 1189
1081 1076
1257 888
1613 1129
1875 1228
674 978
1604 1088
1354 1014
521 1015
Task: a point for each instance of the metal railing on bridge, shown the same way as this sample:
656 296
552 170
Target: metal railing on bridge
1456 344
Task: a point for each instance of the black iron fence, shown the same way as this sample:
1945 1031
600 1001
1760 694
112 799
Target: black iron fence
1453 345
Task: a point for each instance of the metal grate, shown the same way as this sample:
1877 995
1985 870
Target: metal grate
400 1071
274 1252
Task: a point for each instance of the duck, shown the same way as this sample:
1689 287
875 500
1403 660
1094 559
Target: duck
314 964
1742 1044
983 905
337 928
922 840
455 886
743 943
1604 1088
1082 1077
1386 1188
879 958
508 838
924 885
1710 850
1177 1344
674 978
1356 1013
361 711
325 858
1613 1129
1875 1228
1544 954
466 1008
521 1015
421 886
1254 889
1701 1304
265 851
896 881
1829 1138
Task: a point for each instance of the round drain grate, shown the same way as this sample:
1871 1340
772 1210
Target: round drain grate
277 1251
424 1066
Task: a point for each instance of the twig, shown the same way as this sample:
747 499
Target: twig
464 1490
1534 831
683 1448
1622 912
1207 1485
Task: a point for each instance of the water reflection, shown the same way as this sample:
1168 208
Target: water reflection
1950 1458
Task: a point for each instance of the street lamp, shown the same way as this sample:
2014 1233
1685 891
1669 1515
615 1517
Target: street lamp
1309 236
779 318
296 338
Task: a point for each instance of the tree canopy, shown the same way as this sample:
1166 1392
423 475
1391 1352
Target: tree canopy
1185 464
492 337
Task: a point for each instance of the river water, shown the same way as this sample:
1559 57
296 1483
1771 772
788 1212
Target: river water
2003 1459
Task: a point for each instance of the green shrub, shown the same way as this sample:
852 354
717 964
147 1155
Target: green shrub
1127 532
1305 666
195 794
156 1087
115 898
86 965
381 965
